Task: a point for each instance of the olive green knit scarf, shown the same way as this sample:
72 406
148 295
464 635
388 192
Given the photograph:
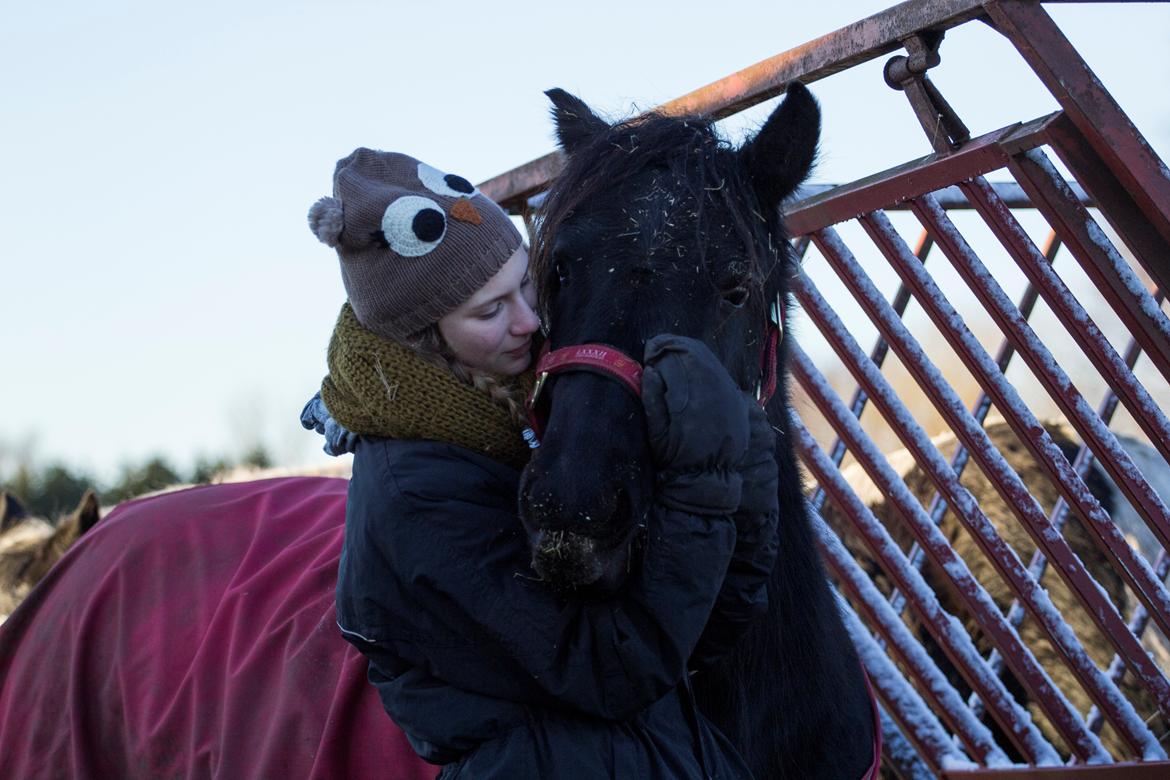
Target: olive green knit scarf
378 387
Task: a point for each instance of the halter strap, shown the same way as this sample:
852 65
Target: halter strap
600 359
611 362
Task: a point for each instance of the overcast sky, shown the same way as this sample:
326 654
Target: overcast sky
159 289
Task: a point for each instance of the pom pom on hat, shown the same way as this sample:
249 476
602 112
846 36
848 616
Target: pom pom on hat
326 220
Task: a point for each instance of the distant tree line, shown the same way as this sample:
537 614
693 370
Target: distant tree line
53 489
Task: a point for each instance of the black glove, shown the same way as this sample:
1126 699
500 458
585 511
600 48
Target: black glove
743 598
697 424
759 503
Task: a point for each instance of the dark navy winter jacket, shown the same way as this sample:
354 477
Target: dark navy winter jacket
488 671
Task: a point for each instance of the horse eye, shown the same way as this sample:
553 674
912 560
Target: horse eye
562 268
736 297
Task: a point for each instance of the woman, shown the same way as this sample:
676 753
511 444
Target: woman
488 671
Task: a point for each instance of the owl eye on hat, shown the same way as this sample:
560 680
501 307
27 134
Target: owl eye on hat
445 183
414 242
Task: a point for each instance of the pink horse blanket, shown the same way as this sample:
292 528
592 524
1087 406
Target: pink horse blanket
192 635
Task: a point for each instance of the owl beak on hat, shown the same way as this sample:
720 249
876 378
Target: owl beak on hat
465 212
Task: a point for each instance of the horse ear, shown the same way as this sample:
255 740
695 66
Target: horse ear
88 512
781 154
576 123
11 510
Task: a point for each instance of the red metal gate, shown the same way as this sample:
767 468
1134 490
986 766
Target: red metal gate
967 699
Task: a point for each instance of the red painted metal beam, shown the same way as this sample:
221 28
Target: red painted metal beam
1104 444
840 50
917 177
1034 436
1050 193
1150 770
1007 482
1093 110
948 705
1117 204
932 540
1084 331
854 44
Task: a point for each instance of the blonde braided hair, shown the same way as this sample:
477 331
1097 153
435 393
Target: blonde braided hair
430 345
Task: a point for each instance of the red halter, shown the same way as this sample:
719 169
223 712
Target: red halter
611 362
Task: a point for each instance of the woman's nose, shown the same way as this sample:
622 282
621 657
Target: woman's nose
526 322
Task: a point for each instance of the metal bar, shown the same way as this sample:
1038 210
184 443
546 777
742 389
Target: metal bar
512 189
854 44
840 50
927 174
1139 618
1152 770
1006 481
960 458
898 755
948 632
1058 517
1135 570
1138 621
950 198
1092 109
931 742
948 703
982 608
1085 332
1149 247
901 700
878 356
1111 274
1027 428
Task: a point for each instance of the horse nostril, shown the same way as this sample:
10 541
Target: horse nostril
565 559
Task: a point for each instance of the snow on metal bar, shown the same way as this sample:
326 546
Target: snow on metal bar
1005 479
1076 320
1138 621
1082 463
1131 566
1139 618
950 634
877 354
949 197
1007 482
976 599
1103 264
973 733
960 458
897 693
1034 678
899 752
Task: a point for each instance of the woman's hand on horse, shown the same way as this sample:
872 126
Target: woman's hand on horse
697 422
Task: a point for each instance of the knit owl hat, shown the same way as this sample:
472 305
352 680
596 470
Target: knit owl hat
414 242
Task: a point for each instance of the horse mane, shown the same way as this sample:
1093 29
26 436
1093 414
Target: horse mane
702 166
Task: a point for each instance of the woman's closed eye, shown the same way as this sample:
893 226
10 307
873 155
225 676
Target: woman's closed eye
492 311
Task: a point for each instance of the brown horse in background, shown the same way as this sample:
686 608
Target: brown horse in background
29 546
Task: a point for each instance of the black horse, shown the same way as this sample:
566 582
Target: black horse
658 226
